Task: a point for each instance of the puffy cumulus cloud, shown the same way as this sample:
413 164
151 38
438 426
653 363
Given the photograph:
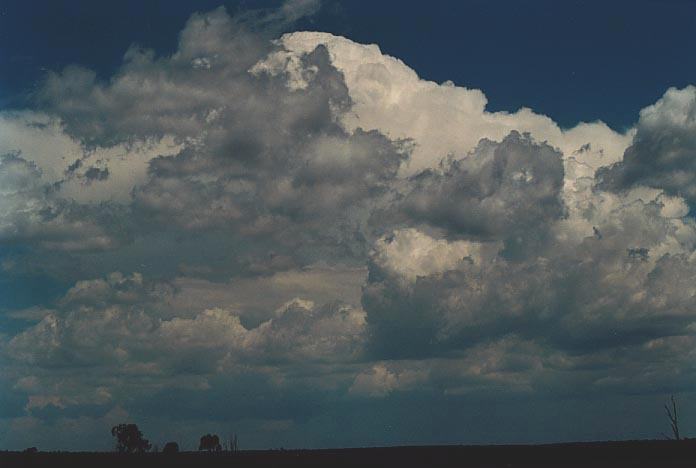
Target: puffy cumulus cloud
298 331
116 288
151 96
319 188
301 329
319 284
31 212
292 175
620 285
202 94
440 118
508 191
118 326
40 137
318 227
380 380
410 254
465 301
77 173
294 168
57 195
266 164
662 152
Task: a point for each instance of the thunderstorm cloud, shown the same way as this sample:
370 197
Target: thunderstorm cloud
277 232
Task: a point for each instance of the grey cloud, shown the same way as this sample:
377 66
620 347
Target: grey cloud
150 96
74 166
121 321
506 191
285 173
116 289
93 173
32 213
110 340
96 173
292 10
266 164
574 298
663 153
497 272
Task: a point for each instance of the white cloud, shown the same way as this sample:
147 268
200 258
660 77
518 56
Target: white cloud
320 219
410 254
118 323
379 381
41 139
441 118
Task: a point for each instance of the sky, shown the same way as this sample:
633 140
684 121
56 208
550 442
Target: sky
337 224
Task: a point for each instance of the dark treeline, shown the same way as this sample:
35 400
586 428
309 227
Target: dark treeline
129 439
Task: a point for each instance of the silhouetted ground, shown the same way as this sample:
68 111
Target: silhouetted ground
658 454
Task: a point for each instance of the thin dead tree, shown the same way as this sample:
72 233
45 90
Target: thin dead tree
673 418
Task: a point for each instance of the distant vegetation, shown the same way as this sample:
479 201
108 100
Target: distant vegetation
210 442
129 439
171 447
677 451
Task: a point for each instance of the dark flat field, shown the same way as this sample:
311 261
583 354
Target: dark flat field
596 454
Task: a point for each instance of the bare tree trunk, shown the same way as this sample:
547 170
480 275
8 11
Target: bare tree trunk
673 418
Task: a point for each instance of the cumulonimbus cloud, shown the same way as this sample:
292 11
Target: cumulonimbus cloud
494 249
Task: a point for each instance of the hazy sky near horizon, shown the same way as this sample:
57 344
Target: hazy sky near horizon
322 224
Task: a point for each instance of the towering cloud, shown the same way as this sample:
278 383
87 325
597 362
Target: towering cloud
303 224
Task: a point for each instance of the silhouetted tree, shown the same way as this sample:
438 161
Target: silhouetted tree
673 417
210 442
31 450
129 439
171 447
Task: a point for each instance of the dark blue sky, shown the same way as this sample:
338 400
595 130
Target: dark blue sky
572 60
